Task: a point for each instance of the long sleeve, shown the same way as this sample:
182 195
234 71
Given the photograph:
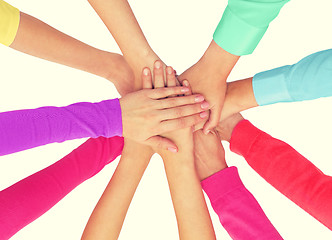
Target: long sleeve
238 210
286 170
308 79
28 199
9 21
244 23
24 129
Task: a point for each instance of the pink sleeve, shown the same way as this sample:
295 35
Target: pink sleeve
29 128
238 210
28 199
285 169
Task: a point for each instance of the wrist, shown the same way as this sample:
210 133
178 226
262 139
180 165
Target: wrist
240 95
219 60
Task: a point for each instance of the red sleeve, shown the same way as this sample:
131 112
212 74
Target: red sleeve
285 169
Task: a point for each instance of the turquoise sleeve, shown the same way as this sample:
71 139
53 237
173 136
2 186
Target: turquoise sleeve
309 79
244 23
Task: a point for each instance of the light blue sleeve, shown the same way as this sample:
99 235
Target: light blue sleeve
309 79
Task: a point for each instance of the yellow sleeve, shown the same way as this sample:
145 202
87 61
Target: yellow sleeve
9 21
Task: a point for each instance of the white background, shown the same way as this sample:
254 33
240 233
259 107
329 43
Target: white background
179 31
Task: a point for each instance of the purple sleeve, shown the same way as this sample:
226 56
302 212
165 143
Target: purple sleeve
24 129
238 210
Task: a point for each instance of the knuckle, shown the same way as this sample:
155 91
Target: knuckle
159 143
178 112
182 123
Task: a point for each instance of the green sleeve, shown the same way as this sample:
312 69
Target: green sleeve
244 23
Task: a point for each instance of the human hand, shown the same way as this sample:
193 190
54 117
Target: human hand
209 154
154 114
183 137
225 127
208 77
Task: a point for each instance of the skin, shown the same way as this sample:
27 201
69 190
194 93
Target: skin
155 114
209 154
225 128
107 218
208 77
109 214
191 212
137 52
55 46
239 97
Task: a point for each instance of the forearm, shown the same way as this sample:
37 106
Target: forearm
24 129
108 216
115 14
238 210
219 61
31 197
285 169
244 23
38 39
308 79
239 97
188 200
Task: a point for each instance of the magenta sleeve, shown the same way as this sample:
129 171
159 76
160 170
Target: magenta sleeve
238 210
24 129
28 199
285 169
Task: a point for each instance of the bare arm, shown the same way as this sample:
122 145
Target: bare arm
107 218
188 200
36 38
135 48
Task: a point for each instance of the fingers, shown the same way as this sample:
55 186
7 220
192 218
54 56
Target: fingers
166 92
183 111
179 101
199 126
162 143
146 78
170 77
158 73
213 121
186 84
185 122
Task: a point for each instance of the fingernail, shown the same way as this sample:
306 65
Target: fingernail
157 64
169 70
205 105
185 90
146 72
172 149
186 83
199 99
203 114
207 132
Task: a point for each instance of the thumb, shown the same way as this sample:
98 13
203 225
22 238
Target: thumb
162 143
213 120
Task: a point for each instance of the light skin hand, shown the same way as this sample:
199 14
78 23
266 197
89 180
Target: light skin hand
208 77
155 114
226 127
209 154
239 97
